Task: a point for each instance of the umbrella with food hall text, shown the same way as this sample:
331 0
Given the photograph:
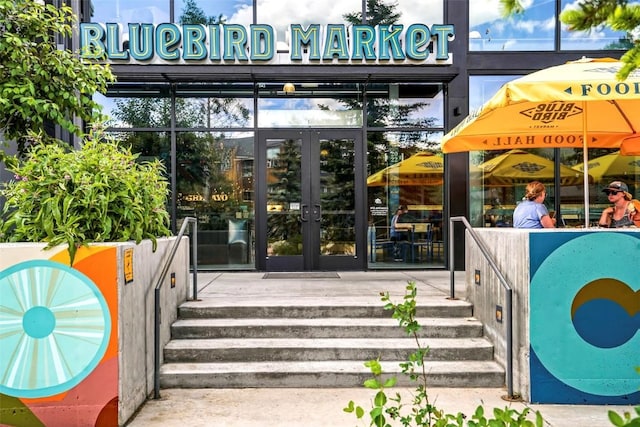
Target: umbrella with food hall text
580 104
630 146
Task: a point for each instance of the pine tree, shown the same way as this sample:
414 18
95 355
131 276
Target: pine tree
287 176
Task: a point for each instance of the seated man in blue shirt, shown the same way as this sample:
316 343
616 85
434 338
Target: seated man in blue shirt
399 232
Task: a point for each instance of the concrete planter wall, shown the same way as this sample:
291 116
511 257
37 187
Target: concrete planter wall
576 299
77 342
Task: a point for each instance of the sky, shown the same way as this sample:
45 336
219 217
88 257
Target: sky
533 30
274 12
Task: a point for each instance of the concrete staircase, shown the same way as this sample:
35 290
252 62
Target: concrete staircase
321 345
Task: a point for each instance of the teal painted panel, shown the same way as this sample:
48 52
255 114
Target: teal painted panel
585 317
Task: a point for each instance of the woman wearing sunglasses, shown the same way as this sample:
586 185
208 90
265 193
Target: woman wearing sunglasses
623 213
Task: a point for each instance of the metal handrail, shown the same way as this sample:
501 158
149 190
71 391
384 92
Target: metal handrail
194 253
503 281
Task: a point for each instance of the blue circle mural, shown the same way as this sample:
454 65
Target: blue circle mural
585 299
606 313
55 325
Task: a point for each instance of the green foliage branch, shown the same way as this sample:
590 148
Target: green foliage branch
420 412
98 193
626 419
40 82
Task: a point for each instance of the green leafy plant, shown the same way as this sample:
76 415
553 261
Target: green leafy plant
40 82
98 193
626 419
420 412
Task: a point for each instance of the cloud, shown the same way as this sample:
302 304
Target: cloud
487 11
281 13
481 12
427 12
534 26
571 6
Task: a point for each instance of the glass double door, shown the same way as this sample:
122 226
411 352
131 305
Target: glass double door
313 181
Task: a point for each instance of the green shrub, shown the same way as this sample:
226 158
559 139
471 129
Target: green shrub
626 419
291 246
98 193
420 412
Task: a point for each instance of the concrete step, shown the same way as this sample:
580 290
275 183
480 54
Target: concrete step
319 334
322 349
432 327
323 374
311 308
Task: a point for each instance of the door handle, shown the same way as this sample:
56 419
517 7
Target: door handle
304 212
317 212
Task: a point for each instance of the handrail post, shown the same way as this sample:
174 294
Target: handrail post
510 342
156 344
194 252
503 281
157 311
452 268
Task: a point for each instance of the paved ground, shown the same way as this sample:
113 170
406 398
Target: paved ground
258 407
262 407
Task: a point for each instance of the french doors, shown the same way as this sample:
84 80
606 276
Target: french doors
312 194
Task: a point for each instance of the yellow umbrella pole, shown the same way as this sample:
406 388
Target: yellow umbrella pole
585 161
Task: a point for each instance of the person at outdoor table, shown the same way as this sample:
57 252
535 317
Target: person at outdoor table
398 232
623 213
531 212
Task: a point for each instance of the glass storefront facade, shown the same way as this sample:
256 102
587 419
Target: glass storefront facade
301 165
216 140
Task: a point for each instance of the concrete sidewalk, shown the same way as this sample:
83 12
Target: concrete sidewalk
259 407
284 407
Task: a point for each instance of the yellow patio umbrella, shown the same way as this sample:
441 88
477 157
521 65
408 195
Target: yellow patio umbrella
612 166
630 146
580 104
522 167
423 168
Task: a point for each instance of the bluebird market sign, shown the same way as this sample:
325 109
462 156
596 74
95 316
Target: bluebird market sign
236 44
